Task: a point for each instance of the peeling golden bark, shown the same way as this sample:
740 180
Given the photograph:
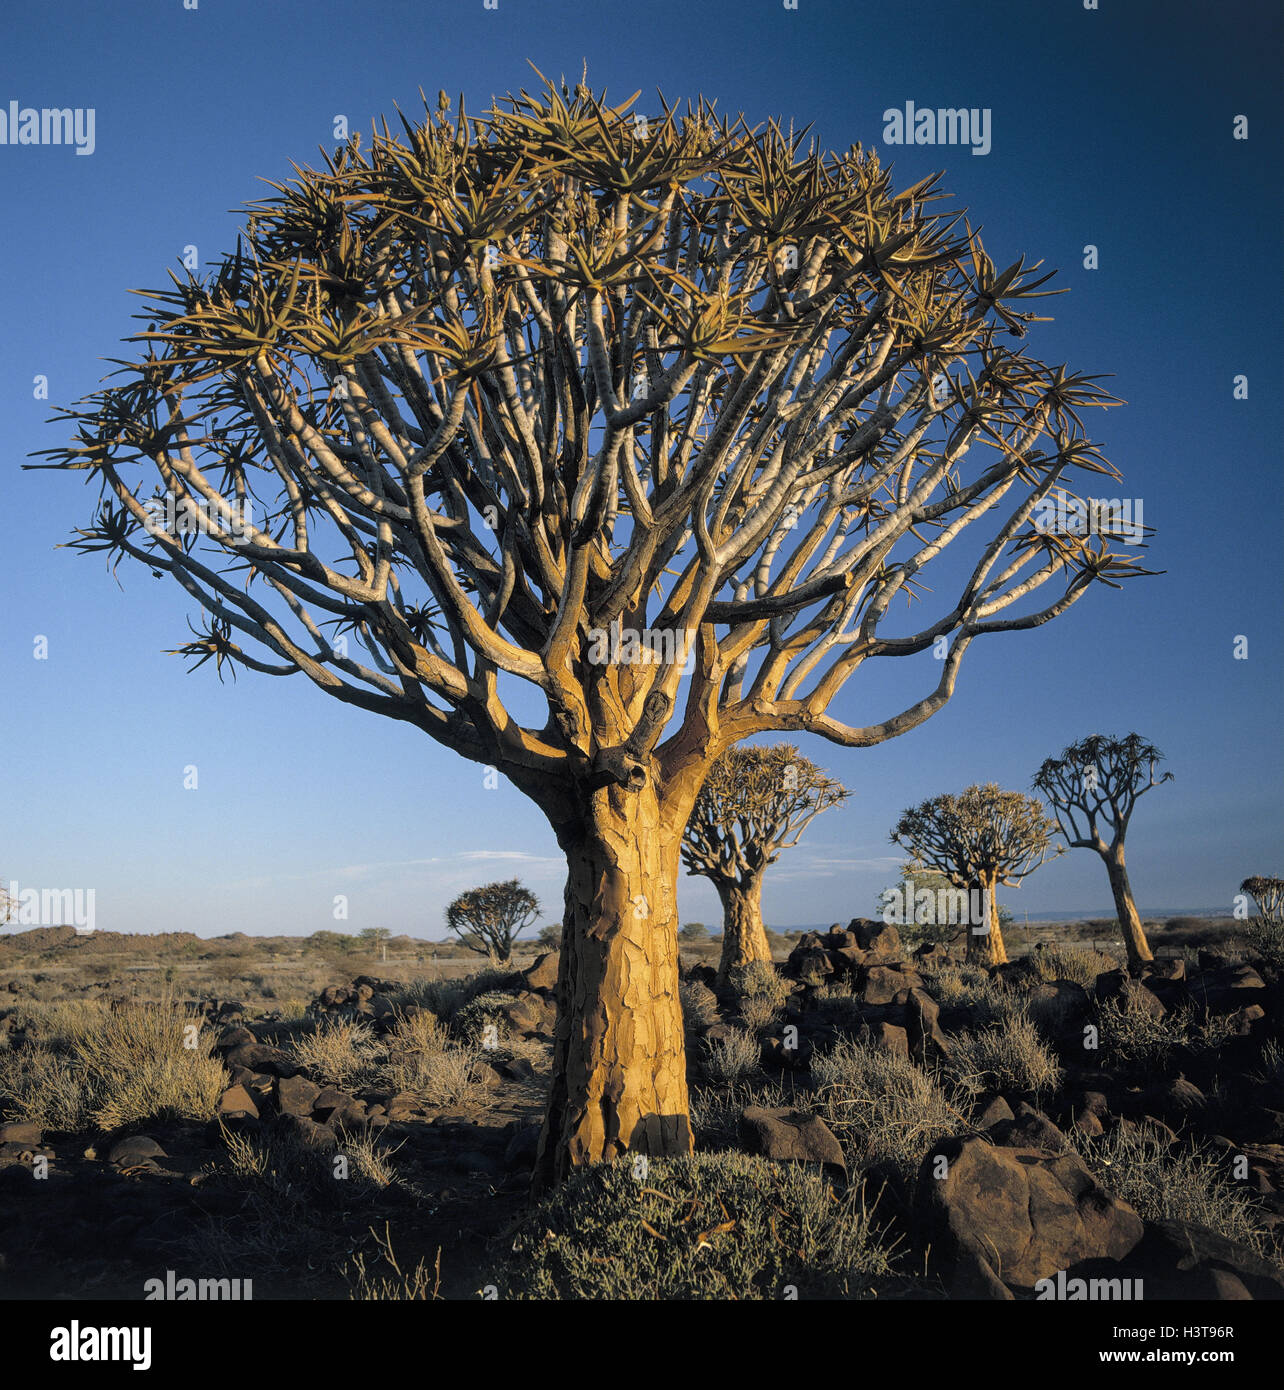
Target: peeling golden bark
744 938
619 1058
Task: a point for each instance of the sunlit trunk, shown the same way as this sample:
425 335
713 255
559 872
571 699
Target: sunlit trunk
619 1063
1134 934
986 948
744 938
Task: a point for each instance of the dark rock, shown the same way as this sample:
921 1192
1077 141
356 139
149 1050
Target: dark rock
261 1057
1028 1129
330 1099
138 1148
1179 1259
309 1133
785 1134
542 975
1026 1213
234 1037
236 1100
20 1132
531 1015
296 1095
994 1111
1225 990
522 1148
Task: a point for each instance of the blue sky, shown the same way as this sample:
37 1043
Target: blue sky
1110 127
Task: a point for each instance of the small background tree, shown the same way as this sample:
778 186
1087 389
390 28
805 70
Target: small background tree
1266 931
979 840
754 803
377 938
1092 789
489 919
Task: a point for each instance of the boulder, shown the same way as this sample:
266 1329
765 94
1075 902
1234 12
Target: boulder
236 1100
531 1015
1229 989
927 1040
295 1095
887 1037
309 1133
235 1037
138 1148
1179 1259
1028 1129
519 1156
879 940
1027 1214
20 1132
883 983
261 1057
785 1134
542 976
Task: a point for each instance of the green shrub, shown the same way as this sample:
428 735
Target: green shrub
708 1227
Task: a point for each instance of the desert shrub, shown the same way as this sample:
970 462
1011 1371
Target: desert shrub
1163 1182
1266 939
759 1012
480 1012
835 1004
708 1227
759 980
883 1109
445 1077
1009 1055
1057 962
733 1057
699 1004
111 1067
967 987
39 1085
386 1281
341 1052
1132 1037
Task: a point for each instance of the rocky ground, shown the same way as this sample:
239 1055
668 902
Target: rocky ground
869 1121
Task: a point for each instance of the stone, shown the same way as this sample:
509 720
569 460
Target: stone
887 1037
330 1098
261 1057
236 1100
20 1132
309 1133
295 1095
1062 1003
995 1111
790 1135
880 940
1024 1212
927 1040
1226 990
1028 1129
1179 1259
234 1037
520 1153
883 984
541 977
531 1015
138 1148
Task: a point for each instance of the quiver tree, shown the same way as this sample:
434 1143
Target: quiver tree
754 803
1092 789
981 840
489 919
1267 893
471 396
